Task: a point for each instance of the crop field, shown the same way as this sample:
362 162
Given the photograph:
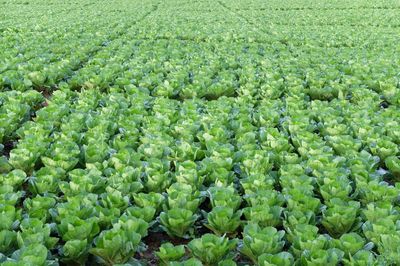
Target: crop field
200 132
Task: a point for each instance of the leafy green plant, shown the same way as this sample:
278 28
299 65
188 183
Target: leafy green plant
224 196
72 228
393 164
177 222
38 207
257 241
305 237
146 213
8 241
116 246
351 243
35 254
183 196
282 258
186 172
83 181
33 231
362 257
46 180
63 154
189 262
9 217
75 251
321 257
169 253
14 178
211 249
223 220
151 199
264 215
340 216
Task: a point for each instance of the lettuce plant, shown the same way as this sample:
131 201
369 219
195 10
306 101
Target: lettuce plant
38 207
116 246
127 181
374 212
383 148
374 230
282 258
187 173
114 199
297 200
34 254
393 164
262 197
83 181
351 243
305 237
82 207
340 216
254 183
8 196
132 224
315 257
8 241
264 215
257 241
361 258
211 249
224 196
46 180
293 218
169 253
15 178
156 175
177 222
151 199
72 228
33 231
75 251
27 153
375 191
9 217
145 213
339 187
181 195
189 262
63 153
223 220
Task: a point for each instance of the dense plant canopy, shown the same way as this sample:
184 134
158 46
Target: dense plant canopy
199 132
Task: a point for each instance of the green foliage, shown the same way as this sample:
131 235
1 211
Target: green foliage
211 249
282 258
340 216
275 123
168 253
177 222
257 241
223 220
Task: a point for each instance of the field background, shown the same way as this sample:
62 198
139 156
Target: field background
242 132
